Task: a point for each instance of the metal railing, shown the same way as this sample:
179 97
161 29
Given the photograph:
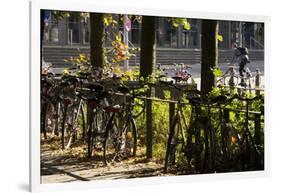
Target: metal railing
260 45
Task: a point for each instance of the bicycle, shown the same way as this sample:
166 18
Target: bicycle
121 130
47 85
194 144
235 145
177 140
247 147
95 97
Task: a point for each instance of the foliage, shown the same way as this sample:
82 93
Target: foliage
160 126
219 37
121 51
82 62
108 20
176 22
217 72
59 15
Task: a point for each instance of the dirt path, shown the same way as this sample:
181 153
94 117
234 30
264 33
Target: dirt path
59 166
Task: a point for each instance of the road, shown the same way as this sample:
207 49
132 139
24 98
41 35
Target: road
196 68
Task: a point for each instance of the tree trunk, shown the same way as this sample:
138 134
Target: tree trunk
97 40
148 45
147 61
209 54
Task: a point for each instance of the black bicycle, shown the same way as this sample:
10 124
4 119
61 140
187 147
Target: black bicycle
121 130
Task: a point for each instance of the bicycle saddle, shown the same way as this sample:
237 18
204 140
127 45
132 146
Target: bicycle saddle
123 89
176 78
218 99
166 82
95 86
102 95
194 100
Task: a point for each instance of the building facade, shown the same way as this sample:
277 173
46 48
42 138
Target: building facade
73 32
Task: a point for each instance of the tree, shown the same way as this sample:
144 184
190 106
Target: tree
97 40
147 61
148 45
209 54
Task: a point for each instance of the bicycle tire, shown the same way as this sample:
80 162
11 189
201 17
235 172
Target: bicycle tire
120 141
171 145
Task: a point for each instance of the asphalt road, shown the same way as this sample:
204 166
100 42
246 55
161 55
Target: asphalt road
196 68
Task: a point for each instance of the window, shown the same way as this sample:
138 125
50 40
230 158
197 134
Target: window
51 31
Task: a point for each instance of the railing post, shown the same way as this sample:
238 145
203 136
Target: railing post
231 83
224 136
257 81
257 129
258 138
149 131
171 113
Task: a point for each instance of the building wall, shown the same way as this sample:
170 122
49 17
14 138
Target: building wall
70 36
75 31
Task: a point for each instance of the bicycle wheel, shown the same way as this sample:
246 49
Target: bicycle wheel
171 145
43 119
120 140
129 139
71 135
68 126
111 142
89 131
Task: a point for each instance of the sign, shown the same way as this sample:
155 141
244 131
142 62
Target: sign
127 23
47 15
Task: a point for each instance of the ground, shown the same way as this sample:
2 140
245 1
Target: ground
72 165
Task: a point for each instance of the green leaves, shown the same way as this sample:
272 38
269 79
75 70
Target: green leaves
176 22
59 15
108 20
186 25
217 72
219 37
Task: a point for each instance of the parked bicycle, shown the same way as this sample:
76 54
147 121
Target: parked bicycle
121 130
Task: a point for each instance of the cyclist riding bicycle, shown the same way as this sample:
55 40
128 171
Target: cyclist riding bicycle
240 56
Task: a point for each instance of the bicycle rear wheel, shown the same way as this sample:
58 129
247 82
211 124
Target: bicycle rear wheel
120 141
68 131
170 157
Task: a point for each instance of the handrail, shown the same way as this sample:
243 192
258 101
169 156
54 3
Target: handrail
256 41
155 99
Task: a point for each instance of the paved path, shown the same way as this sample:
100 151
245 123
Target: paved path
59 166
78 172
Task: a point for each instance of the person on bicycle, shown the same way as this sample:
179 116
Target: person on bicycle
240 56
